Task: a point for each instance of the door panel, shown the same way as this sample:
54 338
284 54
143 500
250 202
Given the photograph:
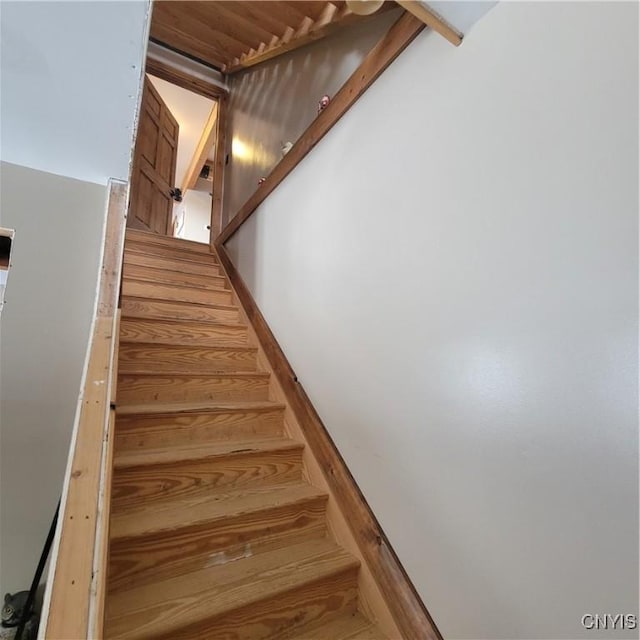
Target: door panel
154 165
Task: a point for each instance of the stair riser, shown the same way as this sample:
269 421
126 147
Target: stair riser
170 252
173 277
135 389
134 235
178 266
135 307
139 485
154 431
287 611
148 558
175 333
164 358
177 294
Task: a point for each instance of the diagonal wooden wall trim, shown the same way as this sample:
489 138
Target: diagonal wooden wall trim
379 58
409 613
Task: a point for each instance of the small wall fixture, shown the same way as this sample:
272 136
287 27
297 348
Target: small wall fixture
364 7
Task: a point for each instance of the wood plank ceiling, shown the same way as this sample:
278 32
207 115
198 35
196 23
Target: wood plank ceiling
234 34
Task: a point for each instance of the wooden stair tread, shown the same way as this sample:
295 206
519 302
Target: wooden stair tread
184 332
215 305
225 448
158 346
346 627
170 276
138 235
172 604
170 263
191 359
188 511
181 373
197 407
173 285
193 324
180 255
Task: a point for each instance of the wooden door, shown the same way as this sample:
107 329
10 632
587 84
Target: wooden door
154 165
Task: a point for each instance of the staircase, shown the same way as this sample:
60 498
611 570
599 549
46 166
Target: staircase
215 532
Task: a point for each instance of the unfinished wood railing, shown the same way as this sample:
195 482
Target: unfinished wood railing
73 606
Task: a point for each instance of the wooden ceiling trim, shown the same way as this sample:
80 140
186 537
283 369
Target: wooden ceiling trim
235 34
282 11
227 22
257 12
180 39
334 16
310 8
172 17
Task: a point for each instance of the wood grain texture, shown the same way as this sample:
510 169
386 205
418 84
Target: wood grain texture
173 537
254 599
168 474
137 307
182 79
381 56
137 388
171 253
177 278
153 239
331 20
177 265
158 291
160 357
215 530
182 332
72 589
407 608
144 560
154 164
101 557
175 425
344 627
221 34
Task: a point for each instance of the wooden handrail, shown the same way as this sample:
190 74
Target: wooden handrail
73 605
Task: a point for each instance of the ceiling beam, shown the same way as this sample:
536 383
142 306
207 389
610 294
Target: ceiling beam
202 150
432 20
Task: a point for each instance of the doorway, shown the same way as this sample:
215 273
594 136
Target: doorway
173 167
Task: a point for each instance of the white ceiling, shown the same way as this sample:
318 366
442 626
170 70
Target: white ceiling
192 112
69 81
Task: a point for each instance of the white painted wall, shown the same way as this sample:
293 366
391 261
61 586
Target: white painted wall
197 216
69 80
453 274
44 333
